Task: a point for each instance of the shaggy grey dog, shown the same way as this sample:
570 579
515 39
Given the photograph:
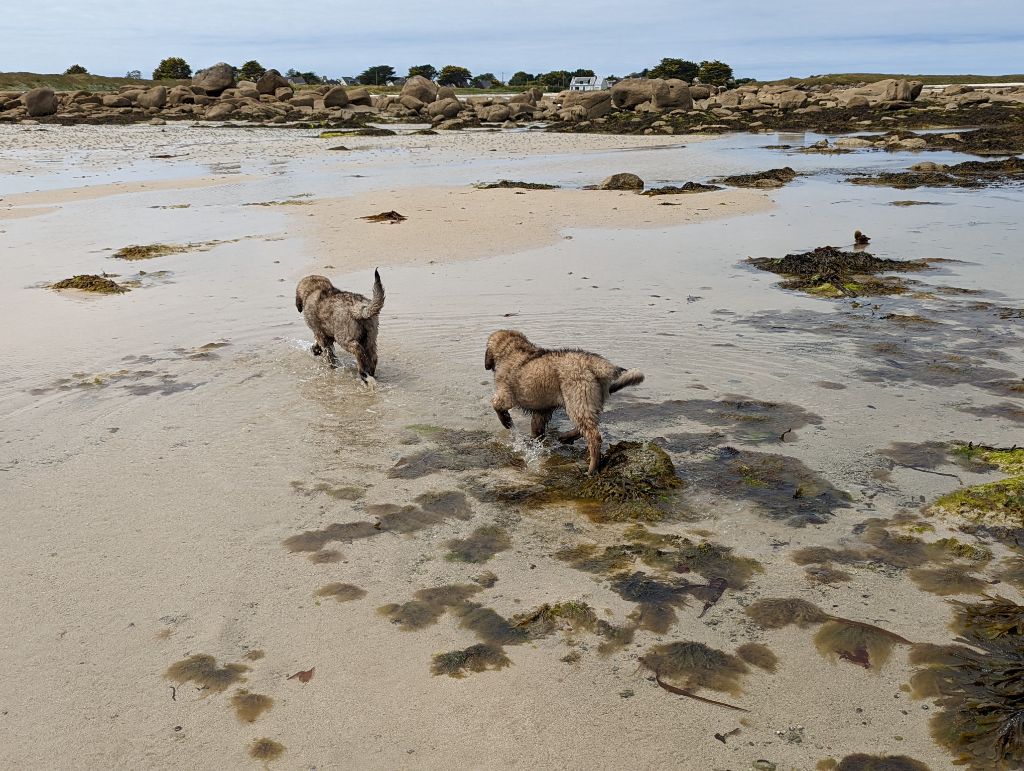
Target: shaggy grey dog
539 381
348 318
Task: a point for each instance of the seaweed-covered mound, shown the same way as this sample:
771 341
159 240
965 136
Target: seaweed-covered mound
688 187
90 283
476 658
508 184
147 251
978 685
989 140
697 666
634 478
998 503
969 174
769 178
831 272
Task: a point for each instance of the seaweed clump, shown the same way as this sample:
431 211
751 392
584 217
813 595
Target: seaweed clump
831 272
266 749
969 174
865 645
688 187
427 606
508 184
657 598
454 450
341 592
135 252
1000 502
433 508
861 761
634 480
249 706
978 684
763 179
475 658
202 669
761 656
482 544
569 616
697 666
90 283
391 217
780 486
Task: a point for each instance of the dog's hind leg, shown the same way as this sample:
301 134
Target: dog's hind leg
357 350
584 410
539 422
371 353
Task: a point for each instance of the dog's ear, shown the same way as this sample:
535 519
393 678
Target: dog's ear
488 359
298 303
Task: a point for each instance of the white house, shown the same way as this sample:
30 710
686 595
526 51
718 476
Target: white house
588 84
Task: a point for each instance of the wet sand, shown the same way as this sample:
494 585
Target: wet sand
171 454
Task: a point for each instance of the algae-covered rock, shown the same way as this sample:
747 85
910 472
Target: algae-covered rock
510 184
635 477
90 283
147 251
994 503
999 502
685 188
762 179
831 272
969 174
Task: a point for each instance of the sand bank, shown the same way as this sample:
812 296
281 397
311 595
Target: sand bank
446 224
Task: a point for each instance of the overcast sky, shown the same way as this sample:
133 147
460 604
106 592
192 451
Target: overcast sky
334 37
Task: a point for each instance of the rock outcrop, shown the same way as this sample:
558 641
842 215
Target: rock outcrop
216 79
39 102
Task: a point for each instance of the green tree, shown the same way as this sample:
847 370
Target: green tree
715 73
451 75
486 80
134 74
76 69
521 79
675 68
252 70
428 71
556 80
376 76
172 68
582 73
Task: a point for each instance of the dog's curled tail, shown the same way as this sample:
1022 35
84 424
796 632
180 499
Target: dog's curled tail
625 378
377 301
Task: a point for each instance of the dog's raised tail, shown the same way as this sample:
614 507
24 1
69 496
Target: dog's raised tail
377 300
625 378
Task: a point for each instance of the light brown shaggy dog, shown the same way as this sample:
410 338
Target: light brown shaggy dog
347 318
539 381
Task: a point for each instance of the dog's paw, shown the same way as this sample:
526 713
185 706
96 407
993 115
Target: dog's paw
316 350
370 382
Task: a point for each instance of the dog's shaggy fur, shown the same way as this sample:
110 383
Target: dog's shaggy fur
539 381
347 318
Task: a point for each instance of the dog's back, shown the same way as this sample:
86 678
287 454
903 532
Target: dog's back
543 378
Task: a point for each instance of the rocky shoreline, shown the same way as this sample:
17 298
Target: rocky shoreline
631 106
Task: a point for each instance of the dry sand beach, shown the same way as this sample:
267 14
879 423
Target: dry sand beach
221 554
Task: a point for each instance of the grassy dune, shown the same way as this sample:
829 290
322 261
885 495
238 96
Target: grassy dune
23 81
